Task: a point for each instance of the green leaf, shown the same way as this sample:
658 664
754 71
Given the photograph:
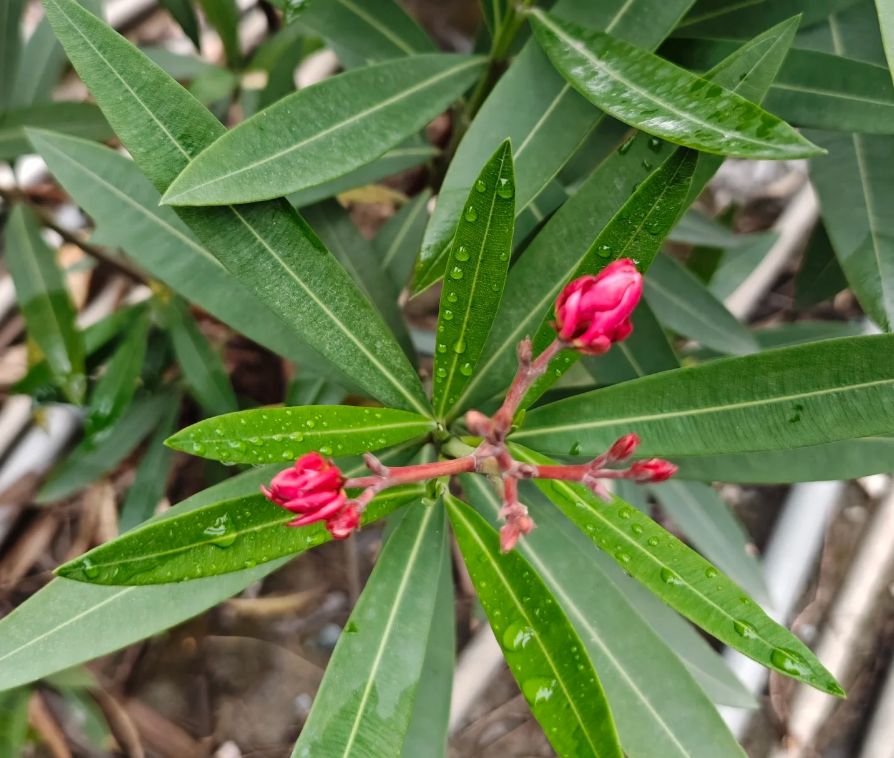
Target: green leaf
365 701
398 241
695 228
77 119
851 182
340 234
408 155
684 580
44 301
738 20
116 195
886 24
710 526
183 68
645 91
185 15
476 276
544 117
541 646
277 57
658 707
217 539
116 387
14 721
554 255
223 15
213 86
268 247
850 459
150 484
820 276
374 30
201 366
646 351
313 390
682 303
11 39
346 122
780 399
268 435
93 459
739 263
813 89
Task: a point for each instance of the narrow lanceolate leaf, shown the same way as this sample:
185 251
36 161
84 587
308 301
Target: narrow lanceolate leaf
324 131
541 113
116 387
269 435
10 46
68 622
780 399
398 241
268 247
476 276
658 707
223 15
44 301
554 255
682 303
737 20
542 648
77 119
695 228
684 580
636 232
14 721
886 23
851 183
365 701
125 206
313 390
217 539
185 15
657 97
737 264
201 366
340 234
850 459
820 276
713 530
373 30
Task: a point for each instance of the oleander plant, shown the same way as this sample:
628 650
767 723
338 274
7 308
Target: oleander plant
584 361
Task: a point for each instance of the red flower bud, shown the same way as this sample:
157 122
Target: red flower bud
341 526
312 487
652 470
594 311
623 448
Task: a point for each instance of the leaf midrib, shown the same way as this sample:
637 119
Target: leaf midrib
425 424
381 28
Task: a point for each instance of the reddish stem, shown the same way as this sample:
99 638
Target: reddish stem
528 372
409 474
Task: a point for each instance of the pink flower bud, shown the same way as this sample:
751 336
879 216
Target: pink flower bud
594 311
341 526
623 448
652 470
312 488
509 534
478 423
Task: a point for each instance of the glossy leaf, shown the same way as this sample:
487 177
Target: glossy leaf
223 15
116 195
347 121
44 301
277 57
183 68
655 96
344 240
739 263
850 459
398 241
541 646
553 256
851 183
116 387
476 275
734 19
14 721
374 30
184 14
150 484
682 303
541 113
313 390
11 39
365 701
647 685
820 276
713 530
75 119
780 399
269 435
695 228
856 30
268 247
636 232
684 580
91 459
202 368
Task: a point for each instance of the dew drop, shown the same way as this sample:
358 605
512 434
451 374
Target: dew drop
461 253
326 450
225 541
745 629
622 557
655 144
459 347
441 372
480 186
628 143
647 165
442 348
237 445
537 690
653 541
517 636
90 571
256 441
625 512
790 662
451 298
604 251
505 189
471 214
352 628
296 436
448 315
310 423
504 257
669 577
466 369
456 273
219 431
710 572
198 448
495 287
636 529
575 449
